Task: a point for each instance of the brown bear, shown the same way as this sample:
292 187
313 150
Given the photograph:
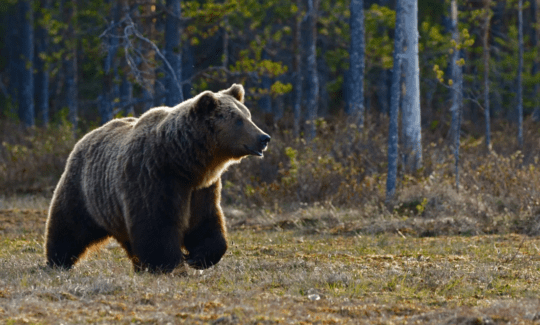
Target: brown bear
153 183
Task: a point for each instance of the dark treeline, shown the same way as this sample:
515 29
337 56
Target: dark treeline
91 60
86 62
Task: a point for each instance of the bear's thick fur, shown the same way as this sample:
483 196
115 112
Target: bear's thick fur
154 183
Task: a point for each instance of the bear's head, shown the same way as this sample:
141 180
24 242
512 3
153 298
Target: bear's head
235 133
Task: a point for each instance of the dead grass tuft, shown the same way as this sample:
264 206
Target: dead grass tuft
32 160
345 169
312 239
342 170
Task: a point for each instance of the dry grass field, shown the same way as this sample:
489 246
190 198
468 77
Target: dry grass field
310 266
312 239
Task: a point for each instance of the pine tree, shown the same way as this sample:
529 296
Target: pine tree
173 54
297 88
26 90
487 18
357 64
457 88
395 93
41 77
411 128
519 77
313 79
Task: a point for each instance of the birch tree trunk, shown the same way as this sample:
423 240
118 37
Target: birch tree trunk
486 73
519 78
173 54
297 101
357 61
313 78
26 89
457 88
395 94
411 129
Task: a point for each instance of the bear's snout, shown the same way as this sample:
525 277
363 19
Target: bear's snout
259 144
264 139
262 144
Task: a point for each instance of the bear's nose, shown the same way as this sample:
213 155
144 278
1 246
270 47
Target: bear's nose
264 139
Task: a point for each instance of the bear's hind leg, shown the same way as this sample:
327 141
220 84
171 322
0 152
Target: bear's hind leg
69 233
206 238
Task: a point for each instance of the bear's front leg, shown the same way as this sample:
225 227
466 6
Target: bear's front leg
206 238
156 230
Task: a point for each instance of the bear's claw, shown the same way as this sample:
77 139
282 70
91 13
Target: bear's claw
198 264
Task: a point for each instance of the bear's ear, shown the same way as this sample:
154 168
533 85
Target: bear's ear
237 91
206 103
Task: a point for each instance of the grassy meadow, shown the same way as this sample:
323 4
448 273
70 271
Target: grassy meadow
309 267
312 238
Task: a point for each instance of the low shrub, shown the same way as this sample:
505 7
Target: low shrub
343 167
32 159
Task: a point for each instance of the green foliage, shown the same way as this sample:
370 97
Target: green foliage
379 46
414 207
290 175
249 22
279 88
256 27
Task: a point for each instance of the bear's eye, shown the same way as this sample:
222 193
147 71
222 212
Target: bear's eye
239 122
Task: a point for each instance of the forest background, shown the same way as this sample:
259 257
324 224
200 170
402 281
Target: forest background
67 67
400 185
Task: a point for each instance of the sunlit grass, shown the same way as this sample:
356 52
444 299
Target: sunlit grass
273 275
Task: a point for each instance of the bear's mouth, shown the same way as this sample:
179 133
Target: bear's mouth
254 152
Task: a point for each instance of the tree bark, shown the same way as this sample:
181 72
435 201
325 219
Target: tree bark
498 28
357 61
13 50
486 73
126 87
411 128
160 71
457 88
313 78
297 101
395 94
173 54
519 77
109 68
535 6
71 68
126 94
187 69
41 76
26 90
383 91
